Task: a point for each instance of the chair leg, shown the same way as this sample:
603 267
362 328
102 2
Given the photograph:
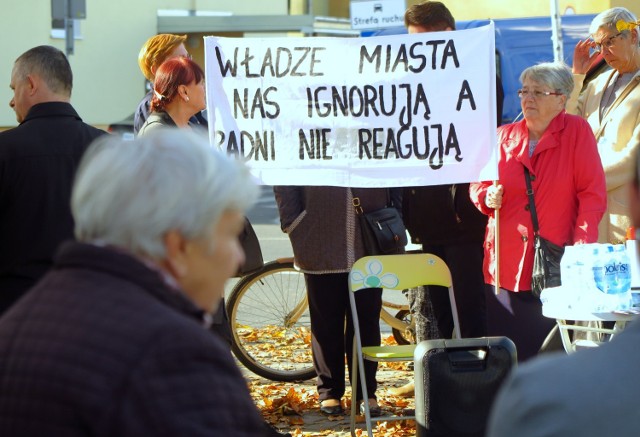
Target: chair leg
357 369
354 388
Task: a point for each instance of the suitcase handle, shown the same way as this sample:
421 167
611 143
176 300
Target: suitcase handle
467 359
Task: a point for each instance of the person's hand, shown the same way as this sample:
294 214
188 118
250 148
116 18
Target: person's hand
582 60
493 198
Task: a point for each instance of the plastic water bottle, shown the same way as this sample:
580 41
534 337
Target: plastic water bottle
605 276
623 278
600 255
634 263
572 266
567 277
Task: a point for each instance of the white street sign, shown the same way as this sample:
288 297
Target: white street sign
377 14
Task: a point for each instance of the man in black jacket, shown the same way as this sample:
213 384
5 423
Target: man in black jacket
38 160
444 221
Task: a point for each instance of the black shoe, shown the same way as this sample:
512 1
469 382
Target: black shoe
333 410
373 411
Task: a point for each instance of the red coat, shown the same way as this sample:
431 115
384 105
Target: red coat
570 195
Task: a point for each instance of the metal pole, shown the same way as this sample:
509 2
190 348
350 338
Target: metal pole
556 32
68 28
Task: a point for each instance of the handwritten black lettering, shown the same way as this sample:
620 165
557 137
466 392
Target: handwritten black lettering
260 101
425 144
305 51
245 63
442 53
226 66
315 145
260 144
279 62
466 94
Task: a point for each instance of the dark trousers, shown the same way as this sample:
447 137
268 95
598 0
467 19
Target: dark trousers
465 264
330 341
519 317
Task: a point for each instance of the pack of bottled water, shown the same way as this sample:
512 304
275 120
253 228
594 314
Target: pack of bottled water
632 251
597 277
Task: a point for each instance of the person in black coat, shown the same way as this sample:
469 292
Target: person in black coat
38 160
113 341
445 222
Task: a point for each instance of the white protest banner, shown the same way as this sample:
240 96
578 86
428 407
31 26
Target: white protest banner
401 110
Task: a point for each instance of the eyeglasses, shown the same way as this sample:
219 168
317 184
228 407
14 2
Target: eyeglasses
523 94
606 43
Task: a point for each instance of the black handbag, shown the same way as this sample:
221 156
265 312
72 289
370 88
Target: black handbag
383 230
547 255
252 252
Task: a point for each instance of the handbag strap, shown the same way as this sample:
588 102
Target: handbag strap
356 203
358 206
532 203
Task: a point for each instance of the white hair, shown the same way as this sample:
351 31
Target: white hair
131 193
556 75
608 19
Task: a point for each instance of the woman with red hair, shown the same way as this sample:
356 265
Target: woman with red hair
178 94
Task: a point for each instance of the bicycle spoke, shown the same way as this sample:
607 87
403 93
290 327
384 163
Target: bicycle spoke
270 339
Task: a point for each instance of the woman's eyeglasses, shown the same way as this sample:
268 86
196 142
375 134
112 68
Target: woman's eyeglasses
606 43
523 94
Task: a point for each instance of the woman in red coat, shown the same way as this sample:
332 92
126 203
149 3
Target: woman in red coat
570 197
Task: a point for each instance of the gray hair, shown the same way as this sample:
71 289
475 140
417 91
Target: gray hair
50 64
131 193
608 19
556 75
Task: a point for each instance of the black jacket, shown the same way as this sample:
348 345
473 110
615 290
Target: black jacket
102 346
444 214
38 161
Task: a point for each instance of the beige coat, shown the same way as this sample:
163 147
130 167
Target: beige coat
618 138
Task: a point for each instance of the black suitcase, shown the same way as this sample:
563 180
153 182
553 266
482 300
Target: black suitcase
456 382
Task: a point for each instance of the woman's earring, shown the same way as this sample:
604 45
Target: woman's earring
186 98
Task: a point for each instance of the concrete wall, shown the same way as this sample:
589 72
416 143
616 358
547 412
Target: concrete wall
107 81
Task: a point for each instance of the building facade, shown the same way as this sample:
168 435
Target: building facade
107 81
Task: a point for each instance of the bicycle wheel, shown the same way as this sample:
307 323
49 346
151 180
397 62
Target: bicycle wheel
403 337
269 316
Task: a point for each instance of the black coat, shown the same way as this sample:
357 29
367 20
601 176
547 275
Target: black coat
444 214
103 346
38 161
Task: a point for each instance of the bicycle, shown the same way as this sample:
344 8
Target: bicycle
269 316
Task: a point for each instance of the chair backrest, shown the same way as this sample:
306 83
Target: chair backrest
399 272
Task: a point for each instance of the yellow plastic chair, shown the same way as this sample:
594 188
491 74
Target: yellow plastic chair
391 272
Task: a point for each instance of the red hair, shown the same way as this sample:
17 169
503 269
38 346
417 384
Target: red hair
170 75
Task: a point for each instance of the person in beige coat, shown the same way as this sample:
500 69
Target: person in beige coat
611 105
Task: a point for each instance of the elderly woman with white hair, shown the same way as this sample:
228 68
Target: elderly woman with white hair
567 180
611 104
113 341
